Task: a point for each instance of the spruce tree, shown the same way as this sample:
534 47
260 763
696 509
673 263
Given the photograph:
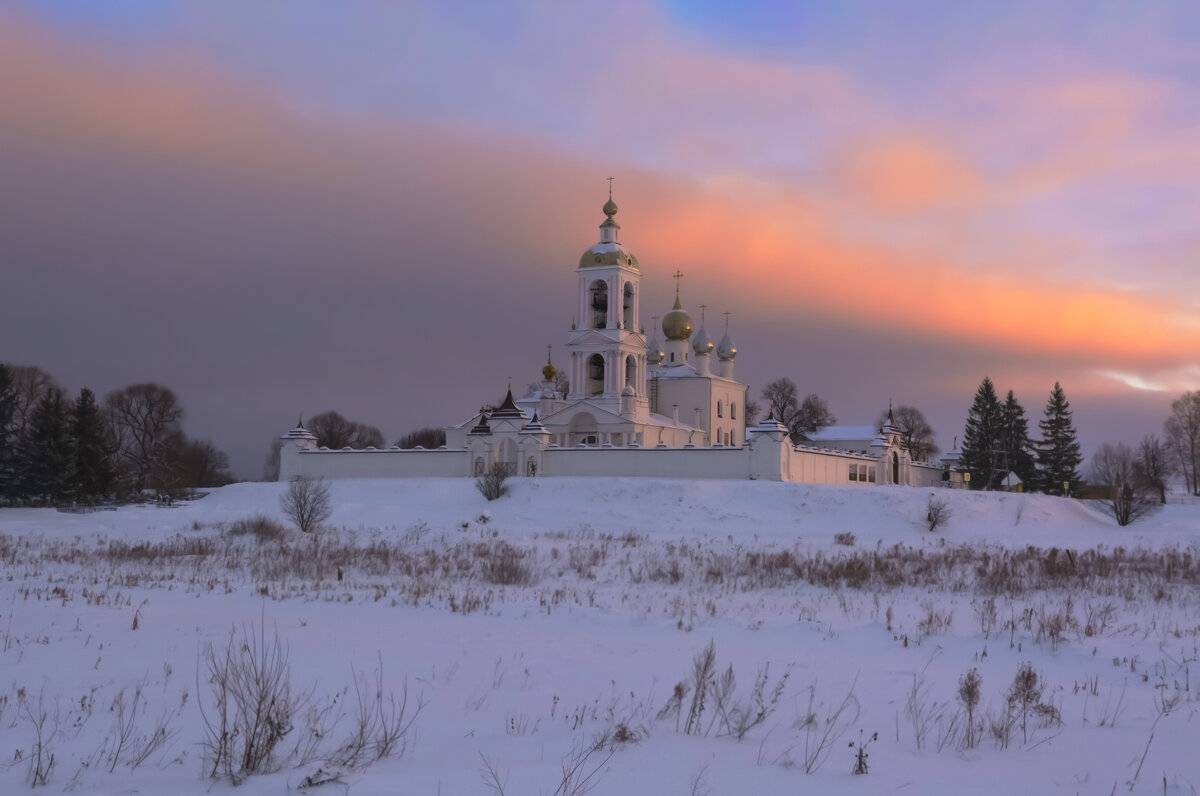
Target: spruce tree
1058 452
8 437
94 467
46 459
982 437
1015 442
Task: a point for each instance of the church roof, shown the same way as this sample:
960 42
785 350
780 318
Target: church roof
508 410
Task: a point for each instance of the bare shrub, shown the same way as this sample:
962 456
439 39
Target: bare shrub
381 723
505 565
1127 493
937 512
821 734
924 712
41 754
703 671
306 503
252 704
262 527
986 613
860 756
1024 697
491 484
846 539
969 687
581 768
714 695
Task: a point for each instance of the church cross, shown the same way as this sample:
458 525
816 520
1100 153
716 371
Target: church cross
610 182
726 314
703 307
677 276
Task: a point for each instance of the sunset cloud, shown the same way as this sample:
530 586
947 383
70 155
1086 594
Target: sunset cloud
319 254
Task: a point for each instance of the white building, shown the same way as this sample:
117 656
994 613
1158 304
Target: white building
632 407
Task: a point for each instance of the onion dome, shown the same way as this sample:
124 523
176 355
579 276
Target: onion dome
726 350
654 352
702 345
677 324
548 370
608 251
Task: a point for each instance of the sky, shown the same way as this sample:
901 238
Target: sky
281 208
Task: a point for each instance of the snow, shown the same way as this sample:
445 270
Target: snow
631 578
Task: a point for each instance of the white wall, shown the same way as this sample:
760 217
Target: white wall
381 464
826 467
648 462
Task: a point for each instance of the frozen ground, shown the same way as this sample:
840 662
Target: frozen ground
570 610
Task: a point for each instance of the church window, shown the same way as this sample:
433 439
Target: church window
478 465
672 356
595 385
630 371
719 409
627 321
732 410
598 301
870 473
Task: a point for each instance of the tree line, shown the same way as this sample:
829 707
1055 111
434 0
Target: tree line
56 450
997 442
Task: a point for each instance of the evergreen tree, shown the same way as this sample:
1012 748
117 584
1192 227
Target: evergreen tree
8 435
94 466
47 451
982 437
1058 452
1015 442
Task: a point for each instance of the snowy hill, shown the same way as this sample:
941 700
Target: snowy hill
550 628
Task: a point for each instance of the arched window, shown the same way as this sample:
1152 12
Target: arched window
732 410
627 320
595 375
631 371
719 409
598 301
478 465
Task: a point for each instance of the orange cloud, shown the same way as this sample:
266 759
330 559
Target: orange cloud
909 176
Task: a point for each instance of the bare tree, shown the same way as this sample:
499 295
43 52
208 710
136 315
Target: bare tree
916 435
30 384
335 432
802 417
306 503
145 420
1129 495
1154 459
1183 436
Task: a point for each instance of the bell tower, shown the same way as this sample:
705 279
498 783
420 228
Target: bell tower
606 345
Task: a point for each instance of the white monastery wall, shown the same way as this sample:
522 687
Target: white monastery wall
376 464
730 463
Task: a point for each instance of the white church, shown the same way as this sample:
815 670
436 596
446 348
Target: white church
632 407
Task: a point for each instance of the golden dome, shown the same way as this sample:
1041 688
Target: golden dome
607 254
677 324
610 207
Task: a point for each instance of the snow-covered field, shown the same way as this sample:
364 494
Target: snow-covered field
547 632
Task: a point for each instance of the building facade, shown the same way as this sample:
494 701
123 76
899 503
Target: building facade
630 407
